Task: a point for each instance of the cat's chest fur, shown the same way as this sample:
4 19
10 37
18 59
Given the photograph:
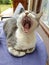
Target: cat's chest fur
25 41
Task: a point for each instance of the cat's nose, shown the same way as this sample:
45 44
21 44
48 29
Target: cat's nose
26 13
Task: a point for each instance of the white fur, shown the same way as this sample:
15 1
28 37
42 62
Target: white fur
25 40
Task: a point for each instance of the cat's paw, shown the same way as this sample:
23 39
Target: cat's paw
15 52
30 50
21 53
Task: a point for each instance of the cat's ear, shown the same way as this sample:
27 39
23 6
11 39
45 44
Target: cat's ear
38 16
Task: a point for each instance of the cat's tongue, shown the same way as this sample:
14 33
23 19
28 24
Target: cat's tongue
26 28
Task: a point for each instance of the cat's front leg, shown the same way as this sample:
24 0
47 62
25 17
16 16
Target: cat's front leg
30 50
15 52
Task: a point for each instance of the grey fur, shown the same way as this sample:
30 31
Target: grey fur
10 28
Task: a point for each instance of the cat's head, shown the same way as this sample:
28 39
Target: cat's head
28 21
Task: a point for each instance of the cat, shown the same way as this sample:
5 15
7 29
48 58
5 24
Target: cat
21 38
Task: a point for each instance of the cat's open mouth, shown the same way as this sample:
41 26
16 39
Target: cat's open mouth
27 23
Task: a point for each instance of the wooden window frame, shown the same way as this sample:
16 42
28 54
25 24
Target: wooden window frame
44 27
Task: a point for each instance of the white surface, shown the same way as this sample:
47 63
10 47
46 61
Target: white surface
8 12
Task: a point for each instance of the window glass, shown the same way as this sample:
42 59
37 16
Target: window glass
5 4
45 8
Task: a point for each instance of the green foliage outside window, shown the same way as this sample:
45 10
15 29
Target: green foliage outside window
5 1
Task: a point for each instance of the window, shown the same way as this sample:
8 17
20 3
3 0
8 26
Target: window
45 17
5 8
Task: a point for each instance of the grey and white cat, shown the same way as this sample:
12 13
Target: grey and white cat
20 34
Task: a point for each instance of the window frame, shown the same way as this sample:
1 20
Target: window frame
42 20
